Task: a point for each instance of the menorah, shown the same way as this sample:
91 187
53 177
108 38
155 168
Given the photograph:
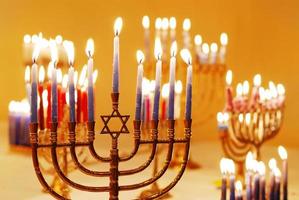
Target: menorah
114 159
249 121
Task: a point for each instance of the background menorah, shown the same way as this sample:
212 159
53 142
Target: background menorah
247 123
114 159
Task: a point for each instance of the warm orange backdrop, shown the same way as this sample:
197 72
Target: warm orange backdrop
263 38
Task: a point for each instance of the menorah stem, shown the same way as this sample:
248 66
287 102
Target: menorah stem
114 173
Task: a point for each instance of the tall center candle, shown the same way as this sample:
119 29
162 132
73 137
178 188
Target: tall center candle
115 77
172 81
33 101
158 54
140 58
90 95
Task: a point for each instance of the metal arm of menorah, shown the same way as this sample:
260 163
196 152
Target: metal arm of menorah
114 159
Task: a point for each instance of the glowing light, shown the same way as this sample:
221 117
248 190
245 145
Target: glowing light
247 118
257 80
139 56
82 75
220 117
261 168
186 56
59 76
245 87
172 23
225 117
277 172
214 47
89 50
186 24
239 186
262 94
239 89
165 90
229 77
205 48
118 25
34 39
178 87
49 71
145 86
54 51
158 48
241 117
45 98
223 166
223 39
158 23
280 89
283 154
165 23
65 81
173 49
27 74
145 22
152 85
58 39
36 51
273 90
41 74
272 164
27 39
231 166
70 50
197 39
249 161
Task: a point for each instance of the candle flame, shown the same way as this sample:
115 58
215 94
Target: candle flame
172 23
145 22
89 50
145 86
158 23
245 87
205 48
65 81
247 118
229 77
95 76
225 116
262 94
67 97
220 117
82 75
272 164
117 26
223 165
197 40
165 90
230 166
255 165
41 74
54 51
239 89
214 47
249 161
280 89
273 90
27 74
261 168
178 87
173 49
186 24
27 39
70 51
165 23
36 52
152 85
186 56
58 39
223 39
277 172
139 56
257 80
241 117
59 75
45 98
283 154
239 186
158 48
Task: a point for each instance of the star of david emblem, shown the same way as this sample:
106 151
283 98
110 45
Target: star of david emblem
115 114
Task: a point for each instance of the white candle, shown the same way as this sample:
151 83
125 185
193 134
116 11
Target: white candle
27 82
117 28
284 156
172 81
54 60
158 55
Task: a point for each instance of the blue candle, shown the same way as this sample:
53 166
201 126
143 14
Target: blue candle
54 95
158 54
140 58
188 93
172 81
72 95
115 78
33 116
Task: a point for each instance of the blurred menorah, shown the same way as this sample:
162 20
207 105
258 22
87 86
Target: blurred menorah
248 121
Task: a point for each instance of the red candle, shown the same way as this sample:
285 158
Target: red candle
49 105
78 105
163 107
41 107
84 104
147 108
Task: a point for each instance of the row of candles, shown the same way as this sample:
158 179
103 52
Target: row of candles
166 29
115 80
255 179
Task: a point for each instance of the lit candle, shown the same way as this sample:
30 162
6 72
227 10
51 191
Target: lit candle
59 94
262 171
272 166
213 54
84 101
172 81
284 156
198 42
186 55
69 46
140 58
158 55
27 82
186 34
239 190
89 52
255 90
177 100
33 101
79 92
281 94
220 120
172 26
146 26
117 29
222 51
41 78
256 183
277 175
165 93
223 169
204 53
49 96
231 171
158 26
54 60
229 92
249 167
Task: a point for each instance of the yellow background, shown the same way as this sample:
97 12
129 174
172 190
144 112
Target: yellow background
263 37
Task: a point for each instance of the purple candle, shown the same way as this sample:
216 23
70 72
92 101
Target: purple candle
158 54
284 156
277 175
33 101
249 168
272 166
172 81
90 96
239 189
115 78
140 58
224 170
262 171
54 59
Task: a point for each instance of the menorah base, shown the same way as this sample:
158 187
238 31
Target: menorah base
153 190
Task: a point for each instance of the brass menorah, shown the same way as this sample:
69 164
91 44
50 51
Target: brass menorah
114 159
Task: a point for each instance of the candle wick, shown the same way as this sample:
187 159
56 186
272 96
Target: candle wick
89 54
